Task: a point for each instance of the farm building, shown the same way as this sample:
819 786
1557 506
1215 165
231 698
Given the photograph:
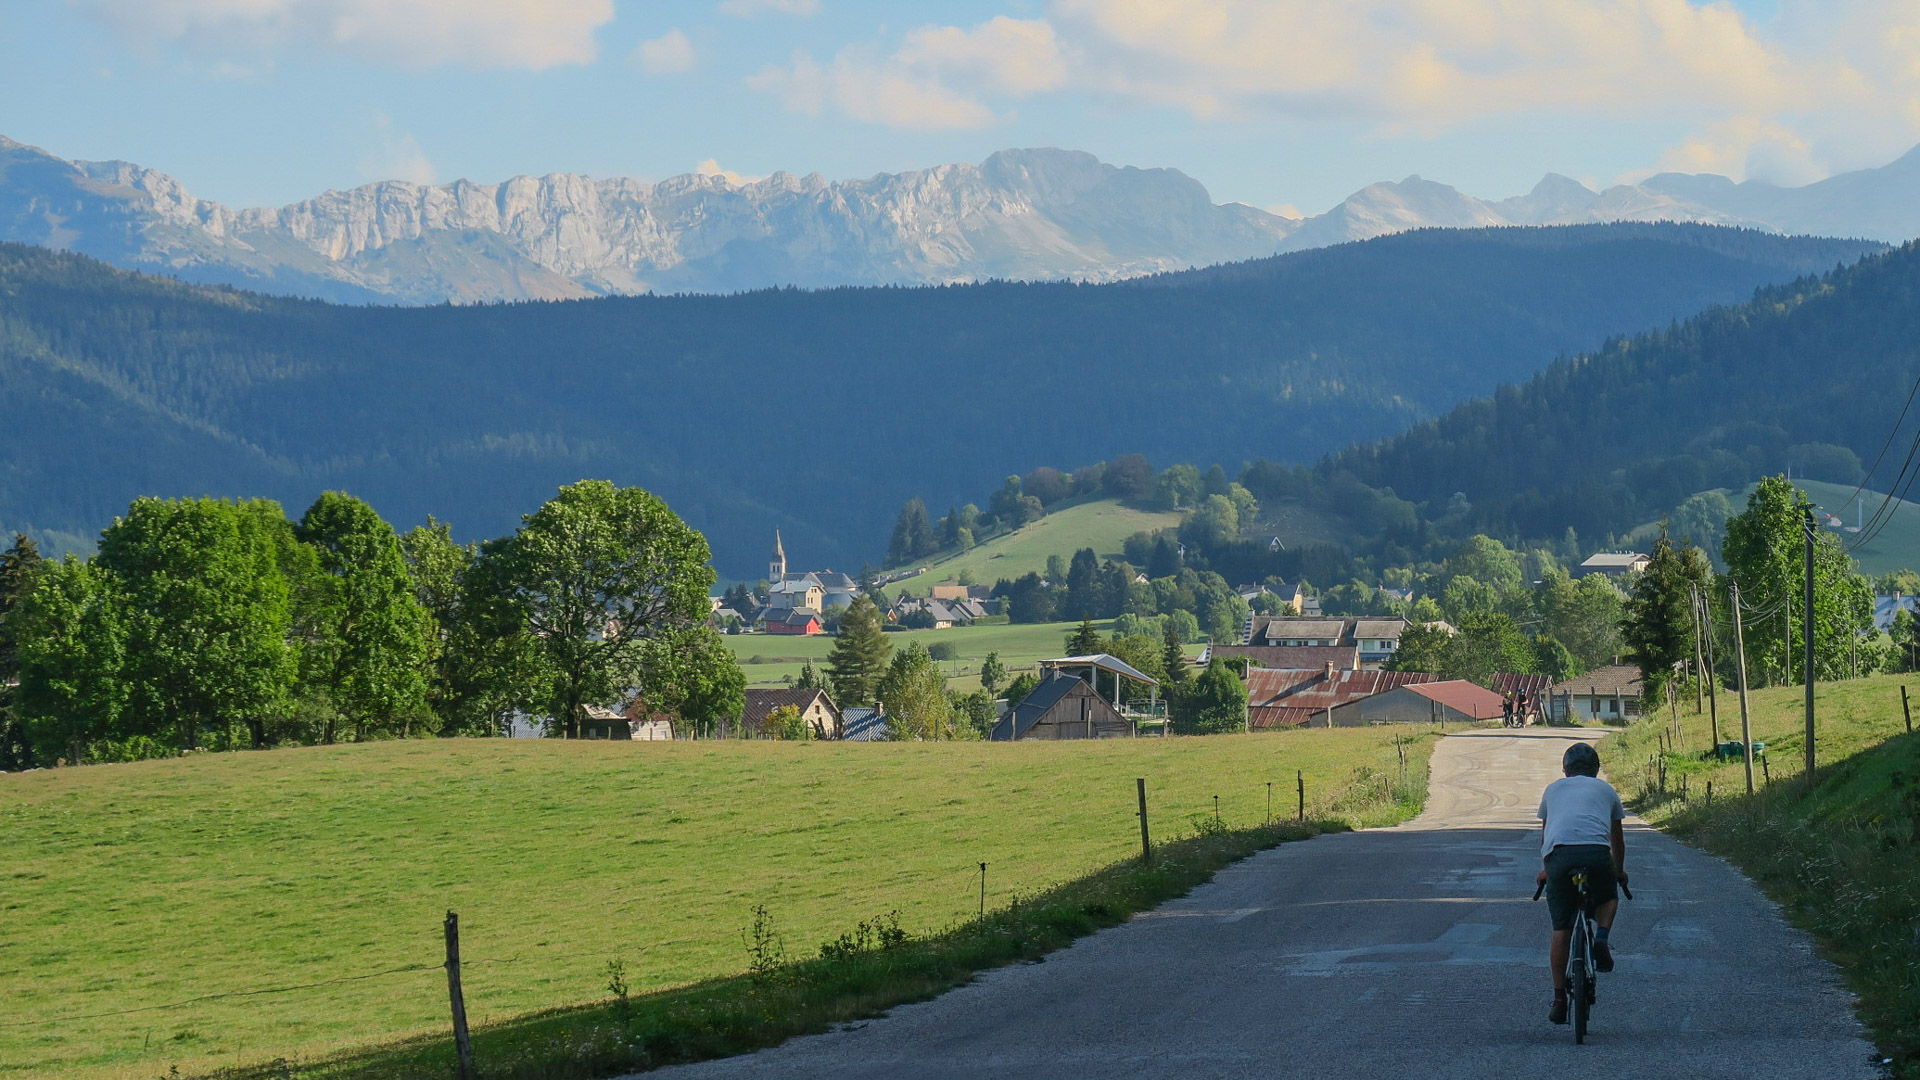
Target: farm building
793 621
815 707
1609 694
1063 706
1374 638
1292 698
1617 565
1287 657
605 723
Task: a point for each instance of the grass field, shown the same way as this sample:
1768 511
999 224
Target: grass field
1843 859
768 658
129 888
1101 524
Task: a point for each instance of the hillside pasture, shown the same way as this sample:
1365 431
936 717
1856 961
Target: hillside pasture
1101 524
133 888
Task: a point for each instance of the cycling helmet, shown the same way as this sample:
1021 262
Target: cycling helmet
1581 758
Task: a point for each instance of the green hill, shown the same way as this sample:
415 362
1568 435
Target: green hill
147 906
1895 545
1101 524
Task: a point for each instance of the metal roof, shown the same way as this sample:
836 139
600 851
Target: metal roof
1468 699
1105 662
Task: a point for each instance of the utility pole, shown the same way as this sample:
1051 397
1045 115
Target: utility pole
1699 658
1806 627
1740 650
1713 671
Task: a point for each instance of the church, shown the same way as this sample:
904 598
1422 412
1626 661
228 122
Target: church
792 597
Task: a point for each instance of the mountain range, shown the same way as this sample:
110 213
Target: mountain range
816 412
1037 214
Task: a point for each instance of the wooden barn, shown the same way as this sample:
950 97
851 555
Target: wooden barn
1063 707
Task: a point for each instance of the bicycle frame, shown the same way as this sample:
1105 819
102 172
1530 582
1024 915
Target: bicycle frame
1580 972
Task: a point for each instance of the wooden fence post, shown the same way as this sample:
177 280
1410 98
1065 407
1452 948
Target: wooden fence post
1905 709
1300 781
1146 846
461 1045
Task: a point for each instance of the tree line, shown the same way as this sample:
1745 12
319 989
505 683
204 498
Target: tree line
211 624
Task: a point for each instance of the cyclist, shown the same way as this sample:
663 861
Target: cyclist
1580 816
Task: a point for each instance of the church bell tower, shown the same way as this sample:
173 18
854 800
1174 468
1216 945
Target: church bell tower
777 565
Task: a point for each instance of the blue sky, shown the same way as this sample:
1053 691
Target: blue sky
1278 103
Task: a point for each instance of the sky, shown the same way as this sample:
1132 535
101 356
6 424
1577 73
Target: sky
1286 104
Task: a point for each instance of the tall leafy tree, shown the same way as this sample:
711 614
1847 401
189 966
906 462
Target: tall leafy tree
1215 702
1486 644
18 565
72 640
914 695
486 664
1765 553
374 640
993 673
596 575
695 677
859 655
207 615
1659 627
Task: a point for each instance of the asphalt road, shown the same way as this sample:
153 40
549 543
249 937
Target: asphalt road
1405 952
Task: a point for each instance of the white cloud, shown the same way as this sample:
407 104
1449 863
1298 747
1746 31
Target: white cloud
529 34
910 89
1822 87
395 155
749 8
711 167
669 53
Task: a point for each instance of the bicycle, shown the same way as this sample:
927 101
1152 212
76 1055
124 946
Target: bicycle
1581 992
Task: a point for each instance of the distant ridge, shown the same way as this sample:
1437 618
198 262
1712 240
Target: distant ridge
1024 215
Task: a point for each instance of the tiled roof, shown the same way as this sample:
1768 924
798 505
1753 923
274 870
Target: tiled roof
1603 679
1388 629
1462 696
1294 657
761 703
1290 627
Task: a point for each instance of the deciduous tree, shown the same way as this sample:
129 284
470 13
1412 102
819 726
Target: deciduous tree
914 695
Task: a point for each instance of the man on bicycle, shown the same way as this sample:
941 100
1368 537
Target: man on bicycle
1580 816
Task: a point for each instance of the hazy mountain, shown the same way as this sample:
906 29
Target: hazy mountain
1021 215
815 412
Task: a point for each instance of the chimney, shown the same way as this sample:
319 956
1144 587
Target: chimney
1330 670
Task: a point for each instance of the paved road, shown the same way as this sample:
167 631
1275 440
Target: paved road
1406 952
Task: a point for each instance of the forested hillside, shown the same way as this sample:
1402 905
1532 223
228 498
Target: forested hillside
1811 374
820 412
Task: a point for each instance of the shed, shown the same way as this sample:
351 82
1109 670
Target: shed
1063 706
604 723
814 706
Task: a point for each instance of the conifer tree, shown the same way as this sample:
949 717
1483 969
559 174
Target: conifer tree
859 656
1084 641
18 564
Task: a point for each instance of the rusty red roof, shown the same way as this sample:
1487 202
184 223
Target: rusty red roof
1462 697
1291 697
1508 682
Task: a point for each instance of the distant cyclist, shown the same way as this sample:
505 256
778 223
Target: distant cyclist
1580 817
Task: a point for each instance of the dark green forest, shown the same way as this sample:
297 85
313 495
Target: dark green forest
1601 442
820 412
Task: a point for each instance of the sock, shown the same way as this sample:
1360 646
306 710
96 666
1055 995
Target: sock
1559 993
1600 933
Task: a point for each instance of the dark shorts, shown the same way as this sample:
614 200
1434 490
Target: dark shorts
1562 898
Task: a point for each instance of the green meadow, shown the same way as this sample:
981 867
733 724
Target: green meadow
229 909
768 659
1101 524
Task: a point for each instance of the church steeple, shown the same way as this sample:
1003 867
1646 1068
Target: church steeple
777 565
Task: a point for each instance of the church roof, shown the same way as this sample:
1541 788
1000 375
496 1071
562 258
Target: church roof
778 551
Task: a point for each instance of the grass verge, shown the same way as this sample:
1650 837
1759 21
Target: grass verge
1841 857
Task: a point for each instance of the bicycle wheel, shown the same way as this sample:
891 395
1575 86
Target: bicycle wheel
1579 983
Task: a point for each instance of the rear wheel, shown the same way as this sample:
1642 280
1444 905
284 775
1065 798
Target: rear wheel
1579 996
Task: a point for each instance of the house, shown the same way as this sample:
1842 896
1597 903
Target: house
1296 697
1609 695
815 707
943 613
1287 657
793 621
647 725
1885 607
604 723
1063 706
816 589
1615 564
1375 638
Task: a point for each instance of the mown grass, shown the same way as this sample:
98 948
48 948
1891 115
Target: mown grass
1101 524
767 659
1842 856
133 887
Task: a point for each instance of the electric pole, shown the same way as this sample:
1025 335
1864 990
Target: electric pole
1713 673
1806 627
1740 650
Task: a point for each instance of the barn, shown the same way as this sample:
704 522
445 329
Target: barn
1063 706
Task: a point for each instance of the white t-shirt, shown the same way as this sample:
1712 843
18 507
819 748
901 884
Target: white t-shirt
1579 810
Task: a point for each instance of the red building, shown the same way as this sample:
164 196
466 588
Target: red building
794 621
